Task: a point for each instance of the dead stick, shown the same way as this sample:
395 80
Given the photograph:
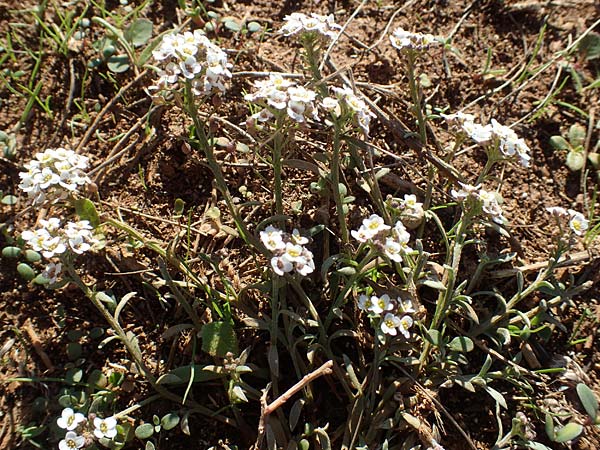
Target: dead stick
267 410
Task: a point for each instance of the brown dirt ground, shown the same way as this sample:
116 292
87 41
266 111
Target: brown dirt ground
147 179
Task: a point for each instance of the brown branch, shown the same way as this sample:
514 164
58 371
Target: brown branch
268 409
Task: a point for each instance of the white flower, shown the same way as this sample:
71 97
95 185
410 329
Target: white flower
297 238
294 252
557 211
281 265
465 191
410 201
69 420
479 133
405 323
196 58
71 441
490 205
365 302
405 305
272 238
296 23
374 224
362 234
402 39
393 249
401 236
381 304
332 105
390 323
52 271
305 265
510 144
53 175
578 223
105 427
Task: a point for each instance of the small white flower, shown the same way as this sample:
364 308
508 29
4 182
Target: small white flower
390 323
332 105
105 427
479 133
393 249
557 211
281 265
365 302
69 420
305 266
71 441
294 252
381 304
410 201
578 223
402 39
297 238
52 271
361 235
405 323
272 238
405 305
374 224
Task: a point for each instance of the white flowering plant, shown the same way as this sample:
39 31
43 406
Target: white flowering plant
323 225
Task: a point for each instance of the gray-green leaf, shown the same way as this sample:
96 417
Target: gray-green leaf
139 32
144 431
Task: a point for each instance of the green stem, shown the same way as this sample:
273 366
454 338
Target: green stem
214 166
277 166
415 93
445 296
335 180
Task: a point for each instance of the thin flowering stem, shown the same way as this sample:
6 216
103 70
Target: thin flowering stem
278 142
199 126
449 281
415 93
335 180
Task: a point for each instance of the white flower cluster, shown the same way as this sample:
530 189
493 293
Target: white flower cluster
288 251
392 241
486 200
402 39
392 313
577 221
278 94
356 106
508 142
74 421
192 56
53 240
301 23
54 174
